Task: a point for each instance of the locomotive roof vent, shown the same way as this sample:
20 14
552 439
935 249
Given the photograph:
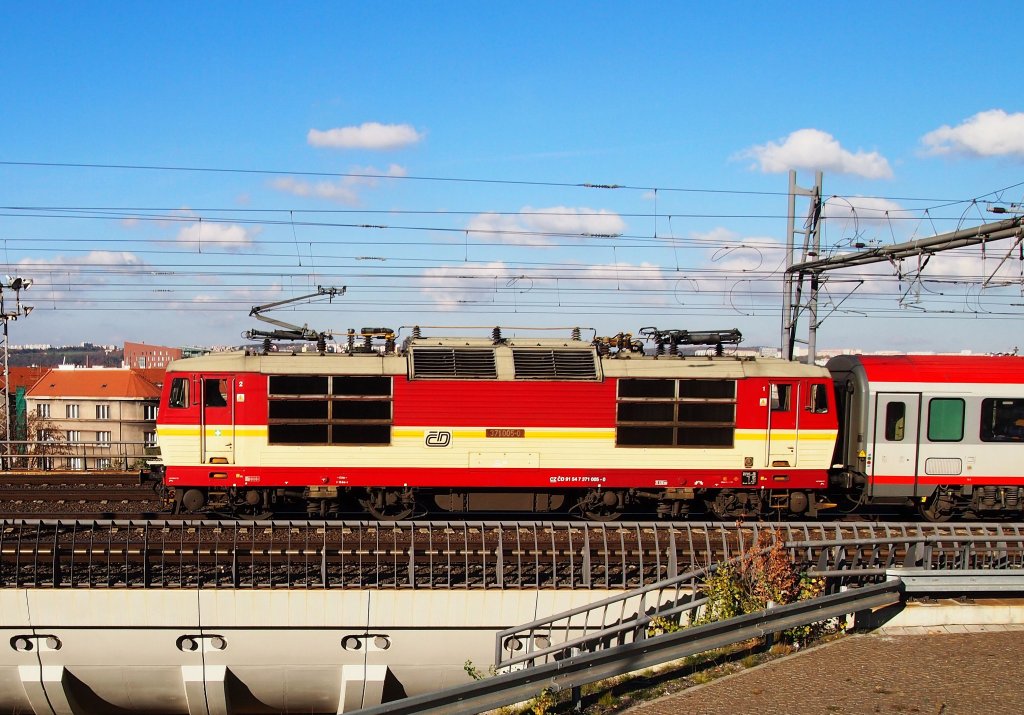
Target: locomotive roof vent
541 364
453 362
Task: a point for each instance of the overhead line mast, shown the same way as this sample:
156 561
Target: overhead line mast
811 267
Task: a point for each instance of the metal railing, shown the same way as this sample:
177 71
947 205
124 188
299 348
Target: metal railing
77 456
627 617
614 636
189 553
575 669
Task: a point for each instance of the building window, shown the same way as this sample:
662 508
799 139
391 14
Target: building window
675 413
73 435
945 419
103 412
149 439
103 463
43 410
76 463
149 412
71 412
103 439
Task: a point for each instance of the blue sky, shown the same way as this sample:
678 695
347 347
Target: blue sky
432 159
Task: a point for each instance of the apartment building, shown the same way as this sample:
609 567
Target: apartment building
104 418
141 355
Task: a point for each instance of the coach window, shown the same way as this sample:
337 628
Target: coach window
945 419
895 421
179 392
1002 420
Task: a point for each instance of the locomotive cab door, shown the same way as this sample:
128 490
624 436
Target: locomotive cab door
217 427
783 423
895 443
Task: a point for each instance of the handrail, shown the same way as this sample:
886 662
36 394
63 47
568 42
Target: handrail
536 639
577 670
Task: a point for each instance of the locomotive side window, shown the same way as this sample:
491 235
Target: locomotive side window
895 421
179 392
1002 420
676 413
945 419
323 409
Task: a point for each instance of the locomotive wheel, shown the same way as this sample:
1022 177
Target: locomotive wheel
193 500
601 506
389 504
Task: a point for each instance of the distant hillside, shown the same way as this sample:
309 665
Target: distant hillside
84 355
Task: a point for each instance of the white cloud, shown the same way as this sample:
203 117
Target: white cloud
343 190
67 275
216 236
990 133
369 135
463 287
450 287
539 226
816 150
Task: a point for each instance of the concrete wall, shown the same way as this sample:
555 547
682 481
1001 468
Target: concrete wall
211 651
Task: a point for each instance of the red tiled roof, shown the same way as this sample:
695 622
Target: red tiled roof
23 376
95 382
153 374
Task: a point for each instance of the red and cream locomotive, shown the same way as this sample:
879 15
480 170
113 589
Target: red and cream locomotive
593 428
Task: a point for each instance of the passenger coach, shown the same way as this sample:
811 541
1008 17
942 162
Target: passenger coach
942 432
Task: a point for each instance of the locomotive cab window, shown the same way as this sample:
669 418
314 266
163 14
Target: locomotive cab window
329 410
675 413
179 393
1002 420
215 392
945 419
781 397
819 399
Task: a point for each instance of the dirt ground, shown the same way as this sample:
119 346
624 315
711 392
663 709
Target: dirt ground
947 673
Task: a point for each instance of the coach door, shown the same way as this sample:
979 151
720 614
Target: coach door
218 420
894 457
782 424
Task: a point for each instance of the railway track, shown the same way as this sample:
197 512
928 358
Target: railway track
82 553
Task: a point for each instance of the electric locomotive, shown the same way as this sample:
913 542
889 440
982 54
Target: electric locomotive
597 429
